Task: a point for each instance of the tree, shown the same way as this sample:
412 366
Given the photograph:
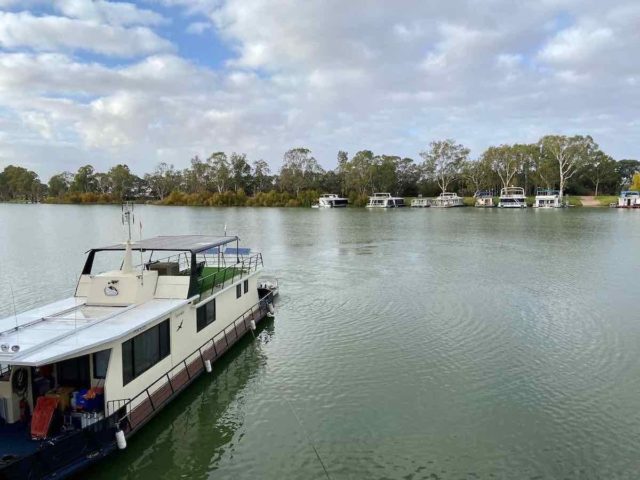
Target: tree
570 153
163 180
59 184
261 176
384 174
299 170
626 169
122 182
84 180
505 161
408 174
443 161
358 172
635 184
240 172
600 168
219 171
478 174
18 182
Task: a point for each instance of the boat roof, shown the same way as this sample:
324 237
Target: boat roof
174 243
69 328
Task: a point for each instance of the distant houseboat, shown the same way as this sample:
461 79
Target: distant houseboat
421 202
331 200
512 197
546 198
385 200
484 199
629 199
447 200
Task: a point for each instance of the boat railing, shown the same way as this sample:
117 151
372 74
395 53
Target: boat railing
133 413
209 284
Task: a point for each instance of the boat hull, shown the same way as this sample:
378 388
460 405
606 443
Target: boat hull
71 454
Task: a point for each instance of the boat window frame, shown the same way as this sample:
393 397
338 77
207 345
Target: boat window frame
245 286
206 308
163 350
238 290
94 370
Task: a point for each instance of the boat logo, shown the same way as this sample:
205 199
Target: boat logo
110 290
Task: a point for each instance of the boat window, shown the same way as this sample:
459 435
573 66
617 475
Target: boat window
238 291
100 363
246 286
143 351
74 372
206 315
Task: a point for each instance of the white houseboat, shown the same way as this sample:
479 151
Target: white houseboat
447 200
484 199
331 200
421 202
546 198
512 197
81 375
385 200
629 199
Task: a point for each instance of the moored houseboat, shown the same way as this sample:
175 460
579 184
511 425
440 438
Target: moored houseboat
447 200
629 199
81 375
421 202
331 200
547 198
484 199
385 200
512 197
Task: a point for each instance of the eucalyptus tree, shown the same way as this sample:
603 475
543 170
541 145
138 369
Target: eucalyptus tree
478 174
505 161
122 181
570 154
626 168
59 184
240 171
358 172
262 179
84 181
443 161
163 180
218 172
599 169
300 170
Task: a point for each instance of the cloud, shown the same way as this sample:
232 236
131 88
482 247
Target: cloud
328 75
112 13
51 33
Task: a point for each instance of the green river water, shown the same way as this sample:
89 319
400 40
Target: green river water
407 344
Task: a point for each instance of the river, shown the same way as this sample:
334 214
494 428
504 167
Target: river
438 344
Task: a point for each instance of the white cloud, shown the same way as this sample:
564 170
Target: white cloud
328 75
112 13
51 33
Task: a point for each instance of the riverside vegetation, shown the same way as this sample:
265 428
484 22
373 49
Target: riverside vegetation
575 165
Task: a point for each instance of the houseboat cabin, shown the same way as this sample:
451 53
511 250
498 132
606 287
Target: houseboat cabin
484 199
512 197
546 198
385 200
331 200
629 199
79 373
447 200
421 202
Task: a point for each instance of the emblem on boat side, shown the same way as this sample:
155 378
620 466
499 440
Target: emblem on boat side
110 290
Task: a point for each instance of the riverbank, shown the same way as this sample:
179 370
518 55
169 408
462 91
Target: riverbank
277 199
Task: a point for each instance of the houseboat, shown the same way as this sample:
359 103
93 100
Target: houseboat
385 200
421 202
629 199
546 198
512 197
447 200
331 200
81 375
484 199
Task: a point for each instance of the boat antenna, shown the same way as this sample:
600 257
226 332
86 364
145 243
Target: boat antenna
141 258
128 216
225 229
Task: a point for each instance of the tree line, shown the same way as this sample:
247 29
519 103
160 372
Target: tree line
571 164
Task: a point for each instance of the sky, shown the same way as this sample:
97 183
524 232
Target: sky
105 82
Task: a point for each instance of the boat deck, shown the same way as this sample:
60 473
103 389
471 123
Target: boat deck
16 441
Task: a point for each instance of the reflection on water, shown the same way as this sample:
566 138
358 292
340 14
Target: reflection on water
465 343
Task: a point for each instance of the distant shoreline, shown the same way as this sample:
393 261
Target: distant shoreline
575 201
